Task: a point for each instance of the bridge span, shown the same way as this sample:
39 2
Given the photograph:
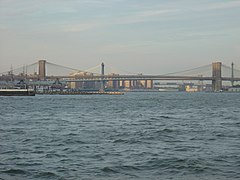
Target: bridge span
216 77
83 76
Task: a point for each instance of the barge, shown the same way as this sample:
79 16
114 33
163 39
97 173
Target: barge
17 92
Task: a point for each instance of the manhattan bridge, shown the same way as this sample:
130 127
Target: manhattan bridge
44 73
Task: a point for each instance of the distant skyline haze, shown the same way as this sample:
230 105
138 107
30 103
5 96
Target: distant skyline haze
140 36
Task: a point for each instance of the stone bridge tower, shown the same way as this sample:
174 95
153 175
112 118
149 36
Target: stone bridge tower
42 69
217 76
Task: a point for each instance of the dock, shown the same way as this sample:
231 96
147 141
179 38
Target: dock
80 93
17 92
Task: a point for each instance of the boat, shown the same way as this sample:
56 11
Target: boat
168 90
17 92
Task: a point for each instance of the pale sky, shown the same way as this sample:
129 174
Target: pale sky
145 36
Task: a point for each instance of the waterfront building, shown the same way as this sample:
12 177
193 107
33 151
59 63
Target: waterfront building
127 84
234 88
190 88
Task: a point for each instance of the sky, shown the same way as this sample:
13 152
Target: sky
138 36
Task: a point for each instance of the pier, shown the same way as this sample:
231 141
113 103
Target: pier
79 93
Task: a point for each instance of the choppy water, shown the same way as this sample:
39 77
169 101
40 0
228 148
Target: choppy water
135 136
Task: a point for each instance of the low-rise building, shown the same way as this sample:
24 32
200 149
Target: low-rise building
234 89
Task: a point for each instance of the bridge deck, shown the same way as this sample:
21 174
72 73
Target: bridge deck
137 77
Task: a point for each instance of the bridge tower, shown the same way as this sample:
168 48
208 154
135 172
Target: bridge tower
232 74
102 81
42 69
217 76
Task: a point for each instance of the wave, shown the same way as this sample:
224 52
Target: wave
124 170
15 171
161 117
47 175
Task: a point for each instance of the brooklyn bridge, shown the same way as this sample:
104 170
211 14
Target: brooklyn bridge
44 73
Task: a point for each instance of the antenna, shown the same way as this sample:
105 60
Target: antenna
11 72
26 70
232 74
23 69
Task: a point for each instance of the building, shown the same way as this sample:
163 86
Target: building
191 88
234 88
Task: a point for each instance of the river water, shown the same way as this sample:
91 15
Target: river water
134 136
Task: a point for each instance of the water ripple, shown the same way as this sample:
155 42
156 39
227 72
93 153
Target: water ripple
135 136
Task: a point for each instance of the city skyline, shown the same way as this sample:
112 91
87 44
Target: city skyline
137 36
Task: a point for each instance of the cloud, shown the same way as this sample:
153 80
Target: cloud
151 13
137 17
198 35
147 15
99 3
144 16
12 8
80 27
132 46
224 5
114 48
